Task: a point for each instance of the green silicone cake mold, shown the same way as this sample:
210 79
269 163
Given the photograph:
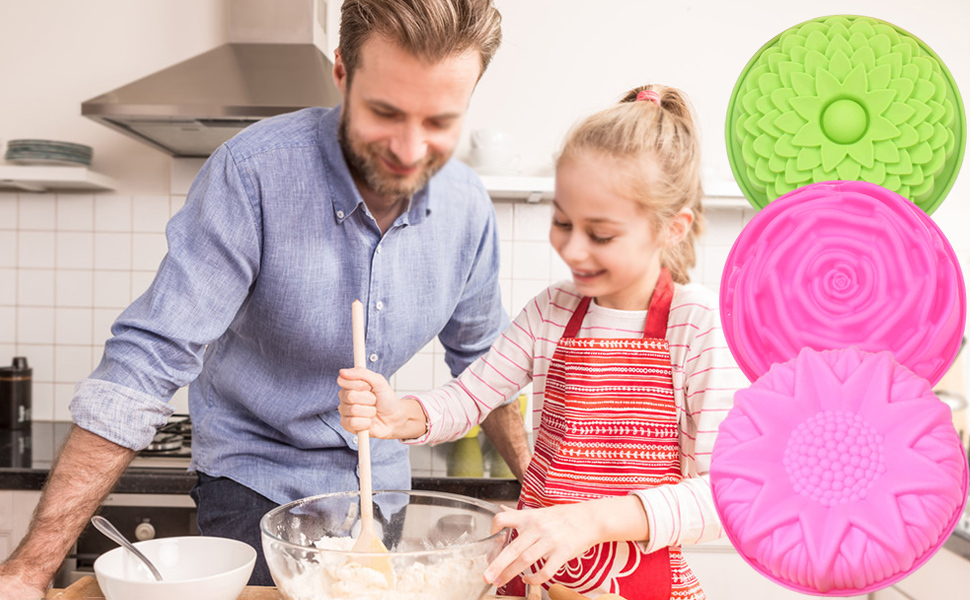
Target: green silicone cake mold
846 98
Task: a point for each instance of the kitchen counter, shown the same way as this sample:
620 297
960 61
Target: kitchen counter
26 468
87 589
26 458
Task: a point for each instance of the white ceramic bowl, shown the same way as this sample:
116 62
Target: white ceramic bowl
192 568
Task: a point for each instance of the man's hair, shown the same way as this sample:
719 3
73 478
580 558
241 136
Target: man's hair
431 30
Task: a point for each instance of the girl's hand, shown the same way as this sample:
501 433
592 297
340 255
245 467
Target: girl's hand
554 534
367 402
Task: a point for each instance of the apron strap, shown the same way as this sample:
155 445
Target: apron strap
572 328
659 311
657 314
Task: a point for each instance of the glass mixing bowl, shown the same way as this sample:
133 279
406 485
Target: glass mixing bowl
439 545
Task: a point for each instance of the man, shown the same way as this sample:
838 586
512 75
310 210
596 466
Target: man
284 227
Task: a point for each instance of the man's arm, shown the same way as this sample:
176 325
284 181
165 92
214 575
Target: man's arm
506 430
86 470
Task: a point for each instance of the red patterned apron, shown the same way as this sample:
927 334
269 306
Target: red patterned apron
609 427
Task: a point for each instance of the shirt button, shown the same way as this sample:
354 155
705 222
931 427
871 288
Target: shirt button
355 440
373 357
379 305
340 214
378 249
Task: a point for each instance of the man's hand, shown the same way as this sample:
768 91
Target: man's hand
12 588
506 430
86 469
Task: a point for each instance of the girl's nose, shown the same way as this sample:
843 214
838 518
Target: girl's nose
574 248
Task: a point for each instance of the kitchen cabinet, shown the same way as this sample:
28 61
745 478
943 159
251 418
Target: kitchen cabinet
946 576
889 593
53 178
724 575
16 507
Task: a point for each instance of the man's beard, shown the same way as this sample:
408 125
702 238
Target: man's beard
364 162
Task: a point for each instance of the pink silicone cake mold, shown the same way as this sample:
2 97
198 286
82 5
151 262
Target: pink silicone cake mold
840 264
846 97
838 473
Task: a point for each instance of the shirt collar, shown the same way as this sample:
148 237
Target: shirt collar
344 194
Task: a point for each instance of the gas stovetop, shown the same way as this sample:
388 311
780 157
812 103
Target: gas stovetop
171 447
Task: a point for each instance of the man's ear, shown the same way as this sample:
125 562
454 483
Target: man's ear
679 227
339 72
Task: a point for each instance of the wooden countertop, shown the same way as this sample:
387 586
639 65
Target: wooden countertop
87 588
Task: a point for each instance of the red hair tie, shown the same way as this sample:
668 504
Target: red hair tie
649 95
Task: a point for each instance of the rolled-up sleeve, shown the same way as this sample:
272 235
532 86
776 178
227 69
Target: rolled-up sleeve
157 343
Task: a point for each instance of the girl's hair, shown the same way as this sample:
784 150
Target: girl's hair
658 141
428 29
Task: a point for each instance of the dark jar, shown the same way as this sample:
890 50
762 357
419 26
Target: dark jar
15 383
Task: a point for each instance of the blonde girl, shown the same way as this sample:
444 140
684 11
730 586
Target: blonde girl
630 370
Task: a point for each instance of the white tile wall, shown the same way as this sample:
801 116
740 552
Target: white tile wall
69 264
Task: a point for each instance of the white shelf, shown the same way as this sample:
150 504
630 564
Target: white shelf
530 189
719 194
47 179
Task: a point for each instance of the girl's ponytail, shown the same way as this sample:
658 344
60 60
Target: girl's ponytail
655 123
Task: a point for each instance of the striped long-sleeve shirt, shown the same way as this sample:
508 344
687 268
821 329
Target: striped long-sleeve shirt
705 378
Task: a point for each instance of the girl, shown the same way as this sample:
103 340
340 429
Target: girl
629 365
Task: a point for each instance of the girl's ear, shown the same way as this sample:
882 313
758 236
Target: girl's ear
679 227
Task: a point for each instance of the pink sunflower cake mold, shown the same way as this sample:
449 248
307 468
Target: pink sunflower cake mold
846 97
838 473
839 264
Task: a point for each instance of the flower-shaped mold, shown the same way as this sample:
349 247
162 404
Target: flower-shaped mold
840 264
838 473
851 98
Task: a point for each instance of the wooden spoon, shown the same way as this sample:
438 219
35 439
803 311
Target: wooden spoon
367 541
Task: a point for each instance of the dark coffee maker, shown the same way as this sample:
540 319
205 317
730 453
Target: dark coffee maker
15 383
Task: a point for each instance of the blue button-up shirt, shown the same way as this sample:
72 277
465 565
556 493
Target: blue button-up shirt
252 306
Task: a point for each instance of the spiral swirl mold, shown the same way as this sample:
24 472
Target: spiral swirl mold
840 264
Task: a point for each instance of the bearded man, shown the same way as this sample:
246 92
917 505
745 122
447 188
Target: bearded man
285 225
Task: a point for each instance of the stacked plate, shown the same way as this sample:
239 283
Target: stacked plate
47 152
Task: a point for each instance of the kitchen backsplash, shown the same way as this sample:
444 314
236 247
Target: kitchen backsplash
69 264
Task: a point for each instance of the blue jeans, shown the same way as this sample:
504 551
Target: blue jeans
229 509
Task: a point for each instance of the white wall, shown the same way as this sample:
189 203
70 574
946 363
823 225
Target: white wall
69 263
54 55
560 59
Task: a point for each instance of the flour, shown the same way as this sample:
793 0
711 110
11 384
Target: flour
333 576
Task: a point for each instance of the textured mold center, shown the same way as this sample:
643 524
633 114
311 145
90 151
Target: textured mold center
834 457
841 282
845 121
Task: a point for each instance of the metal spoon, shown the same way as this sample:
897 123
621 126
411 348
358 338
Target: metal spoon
107 528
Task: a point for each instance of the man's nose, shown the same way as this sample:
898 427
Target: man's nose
410 145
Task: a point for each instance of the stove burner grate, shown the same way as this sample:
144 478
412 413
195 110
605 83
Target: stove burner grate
171 437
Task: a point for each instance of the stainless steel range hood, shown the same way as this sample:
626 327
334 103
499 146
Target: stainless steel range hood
271 66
